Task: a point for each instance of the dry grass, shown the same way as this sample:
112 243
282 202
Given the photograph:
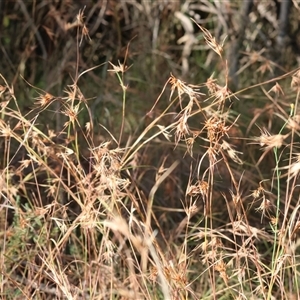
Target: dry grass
193 206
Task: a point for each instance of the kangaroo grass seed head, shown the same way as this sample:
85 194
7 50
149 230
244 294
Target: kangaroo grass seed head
295 83
268 141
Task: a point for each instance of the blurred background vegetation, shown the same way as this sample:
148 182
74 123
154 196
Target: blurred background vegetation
43 43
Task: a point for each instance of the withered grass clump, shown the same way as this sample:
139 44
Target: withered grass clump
195 204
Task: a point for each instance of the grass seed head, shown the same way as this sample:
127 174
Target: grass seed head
295 83
268 141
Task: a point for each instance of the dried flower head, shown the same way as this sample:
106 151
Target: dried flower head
44 99
276 89
294 122
182 88
201 187
233 154
294 168
268 141
211 41
295 84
